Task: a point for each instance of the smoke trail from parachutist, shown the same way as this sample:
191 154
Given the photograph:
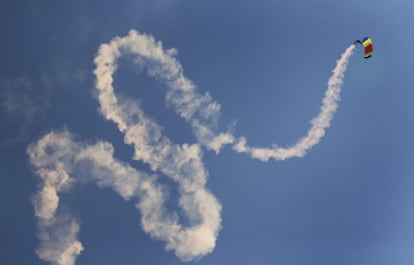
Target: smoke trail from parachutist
319 124
201 111
62 162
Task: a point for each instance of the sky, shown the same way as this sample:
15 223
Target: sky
206 132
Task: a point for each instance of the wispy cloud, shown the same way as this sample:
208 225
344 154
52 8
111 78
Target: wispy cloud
17 103
21 106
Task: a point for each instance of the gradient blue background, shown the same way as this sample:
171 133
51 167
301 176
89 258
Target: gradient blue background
349 201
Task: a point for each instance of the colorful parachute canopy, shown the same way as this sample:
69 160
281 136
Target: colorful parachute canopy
369 49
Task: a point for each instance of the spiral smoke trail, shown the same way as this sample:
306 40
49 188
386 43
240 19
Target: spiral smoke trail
62 162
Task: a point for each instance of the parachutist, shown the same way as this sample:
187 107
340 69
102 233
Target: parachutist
368 47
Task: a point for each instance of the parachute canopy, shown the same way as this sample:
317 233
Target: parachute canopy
367 43
369 49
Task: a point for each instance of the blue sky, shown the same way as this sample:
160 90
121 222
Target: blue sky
348 200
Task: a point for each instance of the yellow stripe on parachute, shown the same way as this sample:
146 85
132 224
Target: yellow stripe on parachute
368 47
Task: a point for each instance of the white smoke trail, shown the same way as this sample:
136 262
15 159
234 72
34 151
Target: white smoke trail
319 124
201 111
62 162
57 230
181 163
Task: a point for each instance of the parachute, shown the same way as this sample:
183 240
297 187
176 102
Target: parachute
368 47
